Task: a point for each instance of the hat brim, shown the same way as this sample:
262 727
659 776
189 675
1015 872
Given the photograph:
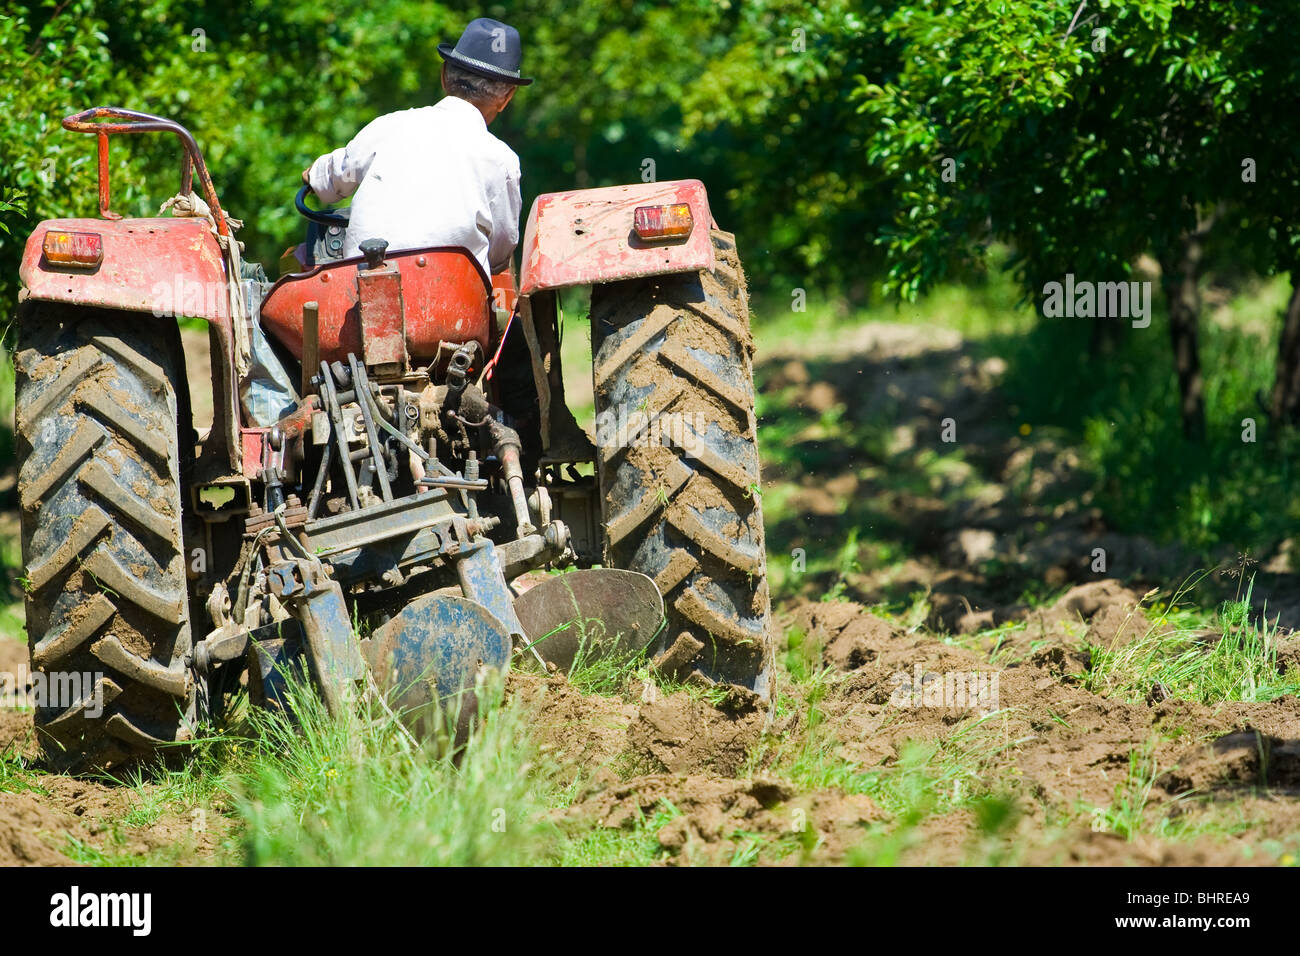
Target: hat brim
448 52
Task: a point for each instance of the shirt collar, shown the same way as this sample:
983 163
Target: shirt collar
461 107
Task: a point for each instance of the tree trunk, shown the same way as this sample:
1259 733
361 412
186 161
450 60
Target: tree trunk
1284 404
1179 273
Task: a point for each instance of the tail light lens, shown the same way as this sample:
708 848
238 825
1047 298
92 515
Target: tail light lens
73 248
663 223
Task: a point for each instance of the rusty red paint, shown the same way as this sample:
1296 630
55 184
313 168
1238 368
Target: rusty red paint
504 293
103 179
165 267
296 424
161 266
382 327
586 236
446 300
252 443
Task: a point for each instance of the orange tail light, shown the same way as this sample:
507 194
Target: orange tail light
73 248
663 223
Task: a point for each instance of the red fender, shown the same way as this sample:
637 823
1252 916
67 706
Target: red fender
163 267
585 236
166 267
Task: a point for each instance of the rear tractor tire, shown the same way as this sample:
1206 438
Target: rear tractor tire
99 489
677 459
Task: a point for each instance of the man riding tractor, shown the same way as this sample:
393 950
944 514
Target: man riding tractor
435 176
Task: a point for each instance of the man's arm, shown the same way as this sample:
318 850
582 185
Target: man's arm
506 206
336 175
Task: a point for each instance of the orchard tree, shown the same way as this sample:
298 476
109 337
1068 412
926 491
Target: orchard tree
1082 136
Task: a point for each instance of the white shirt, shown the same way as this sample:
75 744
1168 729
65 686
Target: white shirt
432 176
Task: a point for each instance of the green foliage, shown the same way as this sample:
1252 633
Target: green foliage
803 660
1116 407
1120 406
1082 150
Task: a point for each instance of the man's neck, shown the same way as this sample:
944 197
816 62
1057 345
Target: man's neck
488 113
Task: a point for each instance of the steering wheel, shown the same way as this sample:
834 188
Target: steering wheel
324 218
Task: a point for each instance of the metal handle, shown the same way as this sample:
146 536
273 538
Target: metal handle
131 121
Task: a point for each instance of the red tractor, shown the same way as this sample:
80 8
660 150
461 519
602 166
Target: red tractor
390 451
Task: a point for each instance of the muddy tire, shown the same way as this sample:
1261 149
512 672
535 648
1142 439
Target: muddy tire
677 458
99 489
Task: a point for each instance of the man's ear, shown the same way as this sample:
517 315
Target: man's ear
442 77
508 97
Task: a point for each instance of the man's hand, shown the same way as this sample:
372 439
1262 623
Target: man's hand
306 176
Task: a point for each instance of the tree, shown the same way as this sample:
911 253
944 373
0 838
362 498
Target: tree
1081 148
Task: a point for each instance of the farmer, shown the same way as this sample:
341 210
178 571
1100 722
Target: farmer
435 176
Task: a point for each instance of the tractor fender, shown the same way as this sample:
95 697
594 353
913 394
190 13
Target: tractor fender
162 267
585 237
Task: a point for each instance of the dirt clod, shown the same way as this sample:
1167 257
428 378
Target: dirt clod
684 734
27 828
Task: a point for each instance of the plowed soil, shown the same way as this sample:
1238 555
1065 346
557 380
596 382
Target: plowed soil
63 820
1054 750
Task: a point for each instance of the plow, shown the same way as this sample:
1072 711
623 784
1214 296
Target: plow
393 495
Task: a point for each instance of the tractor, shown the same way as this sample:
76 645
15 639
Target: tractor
393 494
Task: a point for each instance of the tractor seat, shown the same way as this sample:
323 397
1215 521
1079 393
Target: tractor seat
446 297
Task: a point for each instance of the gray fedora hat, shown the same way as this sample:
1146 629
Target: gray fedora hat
489 48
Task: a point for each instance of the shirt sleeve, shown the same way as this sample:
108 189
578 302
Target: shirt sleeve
336 175
506 207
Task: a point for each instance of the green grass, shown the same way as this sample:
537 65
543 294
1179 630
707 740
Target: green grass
1120 406
608 674
575 356
317 791
88 854
18 775
927 779
1133 813
160 789
987 305
13 620
1126 816
114 849
1187 656
152 792
7 383
965 772
635 846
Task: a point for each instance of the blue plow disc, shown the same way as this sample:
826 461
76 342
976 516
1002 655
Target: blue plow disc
426 657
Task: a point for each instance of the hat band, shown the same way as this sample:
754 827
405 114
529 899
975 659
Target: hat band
486 66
